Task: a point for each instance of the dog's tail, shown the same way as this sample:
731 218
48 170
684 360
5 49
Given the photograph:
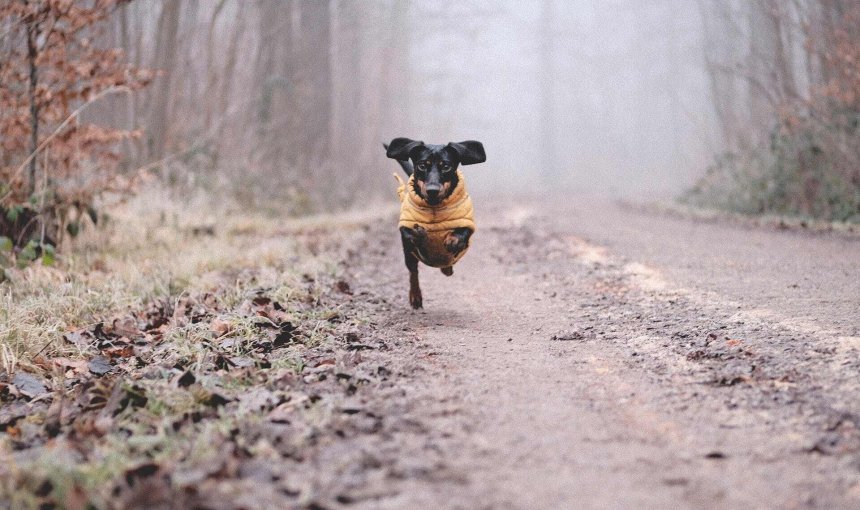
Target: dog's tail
404 163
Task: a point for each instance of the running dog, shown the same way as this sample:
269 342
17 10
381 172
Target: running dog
436 215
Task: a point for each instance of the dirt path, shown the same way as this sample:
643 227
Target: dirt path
660 363
582 356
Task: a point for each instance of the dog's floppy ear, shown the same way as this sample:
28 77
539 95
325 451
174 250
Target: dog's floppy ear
399 148
470 152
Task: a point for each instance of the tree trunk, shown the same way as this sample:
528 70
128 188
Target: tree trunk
546 76
346 79
723 88
399 74
227 80
764 76
32 53
165 54
782 51
316 64
211 68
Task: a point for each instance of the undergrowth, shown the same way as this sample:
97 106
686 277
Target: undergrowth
169 346
808 169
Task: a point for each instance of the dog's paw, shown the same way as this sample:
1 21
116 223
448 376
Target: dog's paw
455 244
420 232
415 299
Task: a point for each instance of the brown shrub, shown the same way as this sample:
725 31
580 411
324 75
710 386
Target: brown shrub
52 165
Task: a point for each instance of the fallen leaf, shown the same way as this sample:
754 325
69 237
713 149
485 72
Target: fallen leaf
132 396
186 379
284 411
78 365
126 326
215 400
261 301
124 351
145 486
29 385
99 365
11 412
95 393
82 339
285 334
143 471
219 327
343 286
256 400
242 362
229 343
223 363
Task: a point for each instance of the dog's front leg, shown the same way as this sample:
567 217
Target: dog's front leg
458 239
409 237
415 298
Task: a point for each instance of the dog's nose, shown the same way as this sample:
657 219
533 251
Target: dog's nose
433 191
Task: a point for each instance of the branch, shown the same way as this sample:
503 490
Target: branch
110 90
750 78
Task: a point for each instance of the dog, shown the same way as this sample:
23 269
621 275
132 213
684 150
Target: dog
436 214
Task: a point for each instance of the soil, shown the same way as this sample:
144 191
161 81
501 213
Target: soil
594 356
583 355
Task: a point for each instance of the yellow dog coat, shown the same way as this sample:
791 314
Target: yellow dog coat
438 220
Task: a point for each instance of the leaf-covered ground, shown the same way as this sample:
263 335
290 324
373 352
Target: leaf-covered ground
213 390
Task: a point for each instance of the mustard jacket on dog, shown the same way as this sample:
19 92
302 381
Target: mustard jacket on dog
438 220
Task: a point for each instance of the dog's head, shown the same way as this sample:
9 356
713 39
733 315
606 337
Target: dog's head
435 166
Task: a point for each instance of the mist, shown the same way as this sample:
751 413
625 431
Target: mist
607 97
596 96
290 101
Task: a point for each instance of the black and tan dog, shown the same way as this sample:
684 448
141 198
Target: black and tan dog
436 215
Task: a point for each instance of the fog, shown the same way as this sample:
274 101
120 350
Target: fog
294 98
590 95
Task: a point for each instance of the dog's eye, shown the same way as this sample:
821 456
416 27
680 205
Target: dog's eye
445 167
423 165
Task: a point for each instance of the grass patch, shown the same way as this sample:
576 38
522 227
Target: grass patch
166 349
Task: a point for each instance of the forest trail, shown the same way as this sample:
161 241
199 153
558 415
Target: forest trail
583 355
593 356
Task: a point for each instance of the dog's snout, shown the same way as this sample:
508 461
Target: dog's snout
433 190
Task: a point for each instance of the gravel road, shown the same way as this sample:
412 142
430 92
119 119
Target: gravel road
588 355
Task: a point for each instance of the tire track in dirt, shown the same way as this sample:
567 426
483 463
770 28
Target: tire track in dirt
561 375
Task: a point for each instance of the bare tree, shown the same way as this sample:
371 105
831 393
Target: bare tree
158 125
547 91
